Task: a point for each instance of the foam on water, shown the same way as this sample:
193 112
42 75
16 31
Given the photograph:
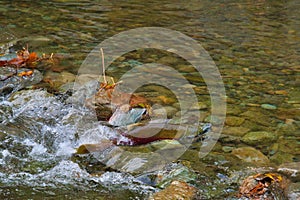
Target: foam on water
40 138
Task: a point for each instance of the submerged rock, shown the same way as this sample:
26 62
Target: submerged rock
234 121
176 190
281 157
249 154
177 172
56 79
134 159
259 137
269 106
164 112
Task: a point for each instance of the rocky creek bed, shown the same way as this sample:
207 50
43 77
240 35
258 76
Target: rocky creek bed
40 133
254 45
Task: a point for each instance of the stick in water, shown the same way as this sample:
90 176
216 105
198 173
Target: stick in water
103 67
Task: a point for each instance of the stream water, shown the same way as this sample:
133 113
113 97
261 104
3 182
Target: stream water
255 46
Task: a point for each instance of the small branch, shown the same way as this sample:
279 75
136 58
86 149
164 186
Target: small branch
103 66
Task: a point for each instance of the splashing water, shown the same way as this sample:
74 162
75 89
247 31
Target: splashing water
37 142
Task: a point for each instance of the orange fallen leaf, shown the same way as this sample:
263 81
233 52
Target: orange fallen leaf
25 73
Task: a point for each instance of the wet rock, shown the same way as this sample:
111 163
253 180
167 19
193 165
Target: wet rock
87 148
175 172
67 77
249 154
123 118
165 144
141 158
291 169
269 106
66 87
56 79
11 82
20 98
176 190
83 91
157 130
131 161
288 129
164 112
259 137
234 121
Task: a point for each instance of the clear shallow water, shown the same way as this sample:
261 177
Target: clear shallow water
254 44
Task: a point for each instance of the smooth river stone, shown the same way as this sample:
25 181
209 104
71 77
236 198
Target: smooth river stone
249 154
177 190
259 137
268 106
234 121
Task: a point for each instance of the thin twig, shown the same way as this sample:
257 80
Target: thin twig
103 67
112 80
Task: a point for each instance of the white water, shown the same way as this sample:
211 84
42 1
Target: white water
40 138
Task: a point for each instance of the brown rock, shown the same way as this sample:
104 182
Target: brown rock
176 190
235 131
234 121
249 154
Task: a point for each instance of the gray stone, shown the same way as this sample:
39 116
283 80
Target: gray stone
269 106
179 172
10 84
122 118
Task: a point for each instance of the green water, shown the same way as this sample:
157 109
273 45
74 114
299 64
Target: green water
255 45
